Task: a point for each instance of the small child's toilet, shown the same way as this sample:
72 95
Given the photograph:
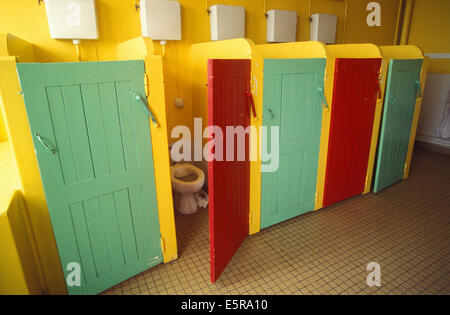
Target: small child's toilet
186 181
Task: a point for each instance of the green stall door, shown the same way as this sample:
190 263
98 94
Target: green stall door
94 151
403 87
293 94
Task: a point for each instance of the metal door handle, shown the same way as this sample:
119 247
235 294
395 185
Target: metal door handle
392 100
418 89
322 94
144 105
45 144
252 103
270 112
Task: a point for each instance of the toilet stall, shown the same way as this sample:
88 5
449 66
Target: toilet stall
403 80
348 138
98 147
293 101
236 83
222 87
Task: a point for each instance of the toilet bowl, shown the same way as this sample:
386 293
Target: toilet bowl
186 181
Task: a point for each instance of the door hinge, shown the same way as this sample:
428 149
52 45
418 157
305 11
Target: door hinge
147 88
406 166
163 245
316 198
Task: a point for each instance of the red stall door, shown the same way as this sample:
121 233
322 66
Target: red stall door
229 180
355 93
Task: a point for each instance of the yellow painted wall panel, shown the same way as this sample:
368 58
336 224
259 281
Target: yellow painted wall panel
12 279
199 55
142 48
430 31
19 267
3 132
439 66
9 175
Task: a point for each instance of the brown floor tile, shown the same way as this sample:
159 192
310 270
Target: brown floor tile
404 228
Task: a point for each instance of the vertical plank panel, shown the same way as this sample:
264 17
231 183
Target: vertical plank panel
97 236
112 231
139 220
126 225
96 129
151 218
111 120
62 134
77 126
127 125
83 241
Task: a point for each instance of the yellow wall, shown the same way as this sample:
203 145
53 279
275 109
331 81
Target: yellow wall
3 133
119 21
12 279
19 273
429 30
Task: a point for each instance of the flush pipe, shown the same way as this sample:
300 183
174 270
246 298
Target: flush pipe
397 24
407 16
163 48
77 43
309 15
344 32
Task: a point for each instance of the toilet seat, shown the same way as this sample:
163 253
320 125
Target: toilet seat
185 190
183 170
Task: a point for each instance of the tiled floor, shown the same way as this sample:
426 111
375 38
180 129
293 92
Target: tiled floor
405 229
